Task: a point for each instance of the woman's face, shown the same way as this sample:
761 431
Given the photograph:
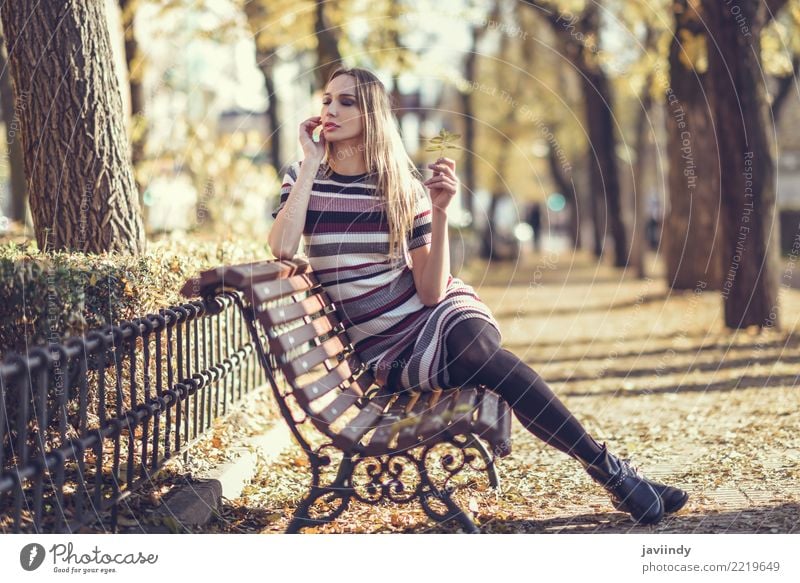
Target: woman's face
339 107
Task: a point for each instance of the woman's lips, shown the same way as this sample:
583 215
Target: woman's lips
330 126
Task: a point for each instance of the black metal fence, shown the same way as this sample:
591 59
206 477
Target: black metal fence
85 422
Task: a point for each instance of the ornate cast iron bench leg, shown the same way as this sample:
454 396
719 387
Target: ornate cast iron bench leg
340 488
402 476
453 509
452 466
491 469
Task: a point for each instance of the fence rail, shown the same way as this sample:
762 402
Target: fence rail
85 422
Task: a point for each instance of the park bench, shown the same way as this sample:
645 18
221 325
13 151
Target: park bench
394 445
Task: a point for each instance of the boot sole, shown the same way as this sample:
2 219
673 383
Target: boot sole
644 520
673 510
679 505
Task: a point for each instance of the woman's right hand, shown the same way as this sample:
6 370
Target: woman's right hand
312 149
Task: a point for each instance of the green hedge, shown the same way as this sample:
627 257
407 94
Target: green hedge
46 297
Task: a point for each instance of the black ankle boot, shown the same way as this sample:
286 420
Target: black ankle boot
673 498
629 491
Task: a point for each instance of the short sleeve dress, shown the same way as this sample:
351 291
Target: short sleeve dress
346 237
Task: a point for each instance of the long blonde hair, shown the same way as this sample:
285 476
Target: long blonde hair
399 182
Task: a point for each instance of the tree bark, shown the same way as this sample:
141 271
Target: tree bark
82 192
603 172
265 63
692 242
265 59
747 176
638 242
328 55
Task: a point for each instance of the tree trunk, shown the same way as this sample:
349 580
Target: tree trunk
16 170
603 173
467 194
82 191
490 239
747 176
639 243
574 30
265 64
564 182
328 55
266 61
257 14
692 242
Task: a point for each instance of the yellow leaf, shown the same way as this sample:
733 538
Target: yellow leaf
695 52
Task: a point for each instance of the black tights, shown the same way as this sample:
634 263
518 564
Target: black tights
475 356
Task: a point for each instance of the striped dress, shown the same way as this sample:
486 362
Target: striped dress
346 238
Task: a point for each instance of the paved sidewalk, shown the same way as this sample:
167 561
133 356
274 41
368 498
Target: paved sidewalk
652 373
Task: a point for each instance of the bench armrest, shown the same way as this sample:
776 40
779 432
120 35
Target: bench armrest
242 276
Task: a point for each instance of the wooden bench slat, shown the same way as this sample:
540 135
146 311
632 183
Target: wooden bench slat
365 421
338 406
307 394
280 315
308 360
273 290
387 426
463 409
365 378
437 419
407 436
250 274
242 276
291 339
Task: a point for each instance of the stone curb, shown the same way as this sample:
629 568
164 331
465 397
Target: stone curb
193 504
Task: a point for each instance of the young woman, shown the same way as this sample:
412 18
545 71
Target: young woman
377 241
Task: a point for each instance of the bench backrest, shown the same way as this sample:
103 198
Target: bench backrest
307 340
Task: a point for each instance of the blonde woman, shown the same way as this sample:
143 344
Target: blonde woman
376 236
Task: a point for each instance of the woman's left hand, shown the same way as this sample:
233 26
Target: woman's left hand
443 185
